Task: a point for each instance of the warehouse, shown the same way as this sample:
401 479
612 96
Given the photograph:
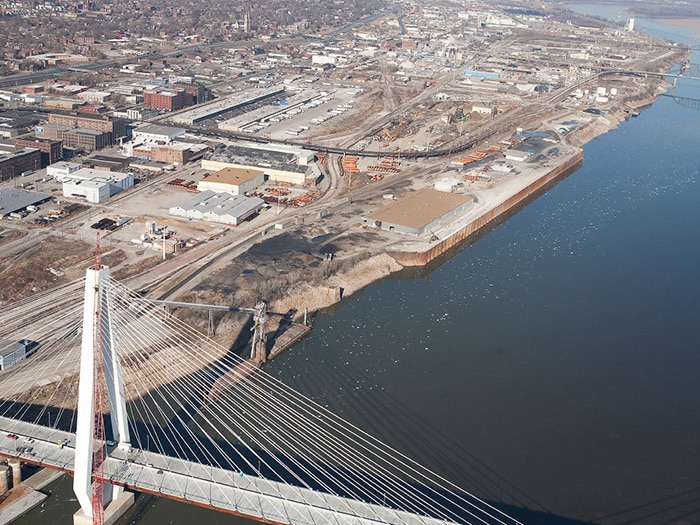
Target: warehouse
219 207
12 352
62 169
225 104
14 200
279 164
420 212
156 133
235 181
96 185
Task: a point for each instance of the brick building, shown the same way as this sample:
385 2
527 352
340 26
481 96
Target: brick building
86 139
167 100
116 127
76 138
14 164
197 91
51 149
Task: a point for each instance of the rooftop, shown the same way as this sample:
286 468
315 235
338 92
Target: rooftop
14 199
155 129
90 174
235 176
277 160
225 104
420 208
17 153
221 203
8 347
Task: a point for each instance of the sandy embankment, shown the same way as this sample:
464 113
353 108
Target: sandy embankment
692 23
303 295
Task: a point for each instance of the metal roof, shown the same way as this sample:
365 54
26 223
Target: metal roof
221 203
245 156
8 347
156 129
420 208
14 199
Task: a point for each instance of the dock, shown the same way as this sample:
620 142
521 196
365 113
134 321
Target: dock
294 333
23 498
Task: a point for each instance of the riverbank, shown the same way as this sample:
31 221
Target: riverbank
493 203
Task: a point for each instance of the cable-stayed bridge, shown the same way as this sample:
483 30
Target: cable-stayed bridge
185 418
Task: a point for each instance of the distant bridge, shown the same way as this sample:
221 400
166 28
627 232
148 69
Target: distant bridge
640 73
686 102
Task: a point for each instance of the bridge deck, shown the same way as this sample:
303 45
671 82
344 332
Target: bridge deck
202 485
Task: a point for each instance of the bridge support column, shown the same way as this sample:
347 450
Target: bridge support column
115 510
97 294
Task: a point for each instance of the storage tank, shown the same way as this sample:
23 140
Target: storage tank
16 467
4 479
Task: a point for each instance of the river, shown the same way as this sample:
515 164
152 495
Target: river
553 364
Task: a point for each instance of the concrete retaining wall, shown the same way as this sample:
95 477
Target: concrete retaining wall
423 258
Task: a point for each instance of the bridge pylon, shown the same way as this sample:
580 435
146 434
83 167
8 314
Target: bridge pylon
98 335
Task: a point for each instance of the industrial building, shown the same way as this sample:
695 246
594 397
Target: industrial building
279 163
61 170
51 150
12 353
218 107
14 123
177 153
167 100
159 144
95 96
516 155
156 133
236 181
86 139
15 200
219 207
96 185
18 162
116 127
420 212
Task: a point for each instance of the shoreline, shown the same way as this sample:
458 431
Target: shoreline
422 258
689 22
392 259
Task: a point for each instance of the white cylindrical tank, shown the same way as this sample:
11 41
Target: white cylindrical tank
16 466
4 479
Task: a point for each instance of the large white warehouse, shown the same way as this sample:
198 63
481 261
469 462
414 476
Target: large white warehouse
219 207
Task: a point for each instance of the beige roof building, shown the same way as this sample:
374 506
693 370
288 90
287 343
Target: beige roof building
420 211
236 181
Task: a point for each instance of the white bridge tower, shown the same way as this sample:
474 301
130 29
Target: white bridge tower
98 334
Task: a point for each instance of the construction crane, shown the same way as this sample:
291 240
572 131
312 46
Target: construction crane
98 450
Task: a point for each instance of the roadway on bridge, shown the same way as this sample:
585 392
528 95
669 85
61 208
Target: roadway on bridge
198 484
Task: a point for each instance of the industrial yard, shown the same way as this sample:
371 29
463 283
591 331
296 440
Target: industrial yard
298 188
